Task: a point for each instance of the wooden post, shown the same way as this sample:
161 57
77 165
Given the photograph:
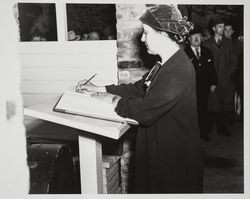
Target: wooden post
90 153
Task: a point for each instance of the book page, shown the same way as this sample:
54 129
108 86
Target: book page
82 104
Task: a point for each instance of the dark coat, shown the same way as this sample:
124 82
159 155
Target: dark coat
225 62
205 74
168 153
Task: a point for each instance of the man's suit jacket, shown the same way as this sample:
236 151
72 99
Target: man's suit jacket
225 64
205 73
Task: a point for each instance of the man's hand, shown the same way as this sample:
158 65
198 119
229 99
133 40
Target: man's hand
212 88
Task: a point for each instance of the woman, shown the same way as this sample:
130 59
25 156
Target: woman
168 154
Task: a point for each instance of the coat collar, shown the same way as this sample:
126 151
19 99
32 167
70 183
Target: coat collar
174 58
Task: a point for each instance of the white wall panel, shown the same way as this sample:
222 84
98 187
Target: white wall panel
65 59
49 87
66 74
48 68
32 99
93 46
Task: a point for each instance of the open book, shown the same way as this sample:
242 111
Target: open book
82 104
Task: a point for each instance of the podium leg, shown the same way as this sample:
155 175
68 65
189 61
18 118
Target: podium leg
90 154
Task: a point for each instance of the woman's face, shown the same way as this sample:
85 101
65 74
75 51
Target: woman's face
152 39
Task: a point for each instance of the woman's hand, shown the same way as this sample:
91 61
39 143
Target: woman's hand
106 97
82 87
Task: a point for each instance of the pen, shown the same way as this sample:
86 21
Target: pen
89 79
77 87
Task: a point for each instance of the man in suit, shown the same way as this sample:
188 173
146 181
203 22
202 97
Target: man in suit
221 102
206 79
228 30
238 47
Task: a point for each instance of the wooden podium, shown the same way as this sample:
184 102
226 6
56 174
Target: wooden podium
90 148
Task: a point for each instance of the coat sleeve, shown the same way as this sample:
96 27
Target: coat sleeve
232 55
211 70
136 89
166 92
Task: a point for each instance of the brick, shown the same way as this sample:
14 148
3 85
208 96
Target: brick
127 54
119 16
137 74
126 24
126 76
129 14
132 44
131 34
125 169
123 64
126 12
129 64
137 7
127 44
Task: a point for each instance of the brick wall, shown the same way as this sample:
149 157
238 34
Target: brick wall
129 32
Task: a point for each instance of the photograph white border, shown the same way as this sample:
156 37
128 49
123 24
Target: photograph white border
246 104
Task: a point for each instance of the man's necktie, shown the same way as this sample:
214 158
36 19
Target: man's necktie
218 42
197 53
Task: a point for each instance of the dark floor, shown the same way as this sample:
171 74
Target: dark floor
223 161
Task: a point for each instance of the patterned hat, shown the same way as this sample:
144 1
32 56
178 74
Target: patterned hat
166 18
